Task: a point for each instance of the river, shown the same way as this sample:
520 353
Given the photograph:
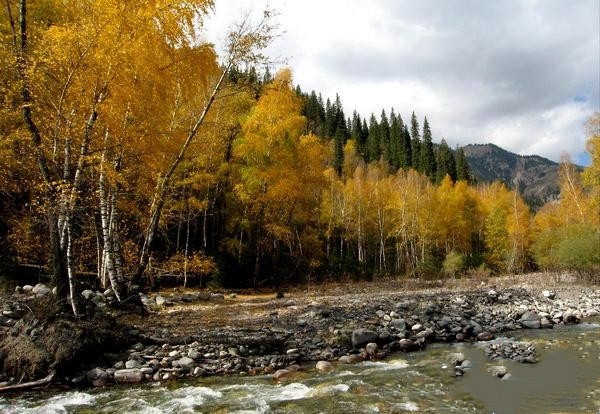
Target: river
566 379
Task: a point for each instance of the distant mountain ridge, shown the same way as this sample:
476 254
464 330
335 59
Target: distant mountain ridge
535 177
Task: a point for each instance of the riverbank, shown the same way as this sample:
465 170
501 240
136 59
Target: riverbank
192 334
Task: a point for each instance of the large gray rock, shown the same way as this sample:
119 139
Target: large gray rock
531 320
363 336
129 376
185 363
399 324
132 363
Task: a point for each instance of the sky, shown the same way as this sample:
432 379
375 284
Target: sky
522 74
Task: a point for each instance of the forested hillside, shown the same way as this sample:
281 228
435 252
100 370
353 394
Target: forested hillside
536 178
130 150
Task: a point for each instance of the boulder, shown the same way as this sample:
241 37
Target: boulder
281 374
40 289
324 366
497 371
398 324
361 337
531 320
129 376
371 348
351 359
185 363
485 336
571 316
132 363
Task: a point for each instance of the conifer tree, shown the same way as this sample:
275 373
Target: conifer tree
384 137
359 135
463 172
427 156
406 149
395 146
373 141
446 164
415 143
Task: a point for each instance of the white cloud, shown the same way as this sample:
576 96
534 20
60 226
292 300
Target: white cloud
520 73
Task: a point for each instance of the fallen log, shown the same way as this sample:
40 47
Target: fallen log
29 385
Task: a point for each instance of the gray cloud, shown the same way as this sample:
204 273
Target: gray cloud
522 73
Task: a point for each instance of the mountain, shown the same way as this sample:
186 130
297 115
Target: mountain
535 177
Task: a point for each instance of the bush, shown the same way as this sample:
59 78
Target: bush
579 249
453 263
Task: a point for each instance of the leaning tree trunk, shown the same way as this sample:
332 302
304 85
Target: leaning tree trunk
164 183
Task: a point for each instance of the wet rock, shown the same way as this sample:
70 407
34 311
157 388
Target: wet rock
571 316
485 336
457 358
281 374
95 374
361 337
407 345
351 359
371 348
497 371
531 320
324 366
129 376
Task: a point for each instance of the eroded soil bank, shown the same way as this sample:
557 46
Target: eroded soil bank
198 333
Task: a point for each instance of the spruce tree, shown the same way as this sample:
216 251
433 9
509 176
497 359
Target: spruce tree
339 140
396 128
463 171
357 134
406 149
373 141
446 164
415 143
427 156
384 137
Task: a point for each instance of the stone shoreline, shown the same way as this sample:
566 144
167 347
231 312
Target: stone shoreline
328 329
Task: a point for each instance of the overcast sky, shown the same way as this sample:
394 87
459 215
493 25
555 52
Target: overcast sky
523 74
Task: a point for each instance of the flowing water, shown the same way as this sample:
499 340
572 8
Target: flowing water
565 380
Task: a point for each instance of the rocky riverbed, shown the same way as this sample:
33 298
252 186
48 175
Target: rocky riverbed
191 333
